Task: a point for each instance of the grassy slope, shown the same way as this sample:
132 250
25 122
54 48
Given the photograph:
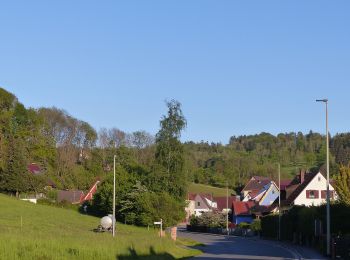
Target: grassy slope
201 188
55 233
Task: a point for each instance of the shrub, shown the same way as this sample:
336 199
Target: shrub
244 225
256 225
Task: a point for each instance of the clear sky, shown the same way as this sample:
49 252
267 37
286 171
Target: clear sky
237 67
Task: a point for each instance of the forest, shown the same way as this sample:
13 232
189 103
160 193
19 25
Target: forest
72 155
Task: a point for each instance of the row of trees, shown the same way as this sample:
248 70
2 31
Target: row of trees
244 156
72 154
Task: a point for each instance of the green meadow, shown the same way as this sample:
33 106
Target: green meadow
29 231
202 188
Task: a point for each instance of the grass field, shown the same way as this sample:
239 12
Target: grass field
201 188
29 231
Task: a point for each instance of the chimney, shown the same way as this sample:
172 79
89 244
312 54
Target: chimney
302 176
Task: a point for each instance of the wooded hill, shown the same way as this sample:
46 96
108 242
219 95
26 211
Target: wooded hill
72 154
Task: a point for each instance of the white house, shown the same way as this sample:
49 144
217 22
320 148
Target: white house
310 191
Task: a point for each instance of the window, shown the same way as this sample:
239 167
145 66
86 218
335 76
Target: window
312 194
198 203
319 178
324 194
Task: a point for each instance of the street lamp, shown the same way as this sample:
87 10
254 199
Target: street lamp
279 201
113 220
227 210
327 196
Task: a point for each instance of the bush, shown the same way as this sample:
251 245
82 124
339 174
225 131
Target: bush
244 225
256 225
210 220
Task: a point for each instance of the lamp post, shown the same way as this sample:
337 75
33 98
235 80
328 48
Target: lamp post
113 220
327 164
279 201
227 210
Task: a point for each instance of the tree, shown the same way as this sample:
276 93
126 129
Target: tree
169 152
343 184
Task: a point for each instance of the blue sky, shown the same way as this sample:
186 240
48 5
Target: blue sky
237 67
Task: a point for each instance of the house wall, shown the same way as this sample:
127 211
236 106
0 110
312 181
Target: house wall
189 209
319 183
239 219
202 207
270 196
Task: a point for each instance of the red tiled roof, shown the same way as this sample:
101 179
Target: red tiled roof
256 183
89 195
242 207
191 196
222 202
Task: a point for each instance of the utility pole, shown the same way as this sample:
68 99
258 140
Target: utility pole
279 201
328 195
227 208
113 220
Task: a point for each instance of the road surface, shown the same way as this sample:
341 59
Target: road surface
223 247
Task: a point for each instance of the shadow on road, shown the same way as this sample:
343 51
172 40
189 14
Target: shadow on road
223 247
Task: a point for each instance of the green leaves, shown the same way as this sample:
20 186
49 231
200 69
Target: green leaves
168 172
343 184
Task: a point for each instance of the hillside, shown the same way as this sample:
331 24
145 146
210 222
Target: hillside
202 188
55 233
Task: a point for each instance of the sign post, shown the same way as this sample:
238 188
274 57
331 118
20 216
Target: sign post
161 226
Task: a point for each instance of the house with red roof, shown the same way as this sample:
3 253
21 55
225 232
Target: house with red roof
224 204
77 196
242 211
91 192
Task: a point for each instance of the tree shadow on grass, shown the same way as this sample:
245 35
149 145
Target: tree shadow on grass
152 255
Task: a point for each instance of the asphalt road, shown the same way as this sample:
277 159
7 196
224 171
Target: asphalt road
223 247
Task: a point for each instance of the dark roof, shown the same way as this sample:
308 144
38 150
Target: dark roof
285 183
256 183
262 210
72 196
242 207
222 202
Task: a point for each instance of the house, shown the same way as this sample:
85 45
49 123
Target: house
34 169
224 204
90 194
254 186
71 196
241 212
199 203
261 190
268 194
283 186
308 189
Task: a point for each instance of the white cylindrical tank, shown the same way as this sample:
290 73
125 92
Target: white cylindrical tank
106 222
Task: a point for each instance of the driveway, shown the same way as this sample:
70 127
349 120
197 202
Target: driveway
223 247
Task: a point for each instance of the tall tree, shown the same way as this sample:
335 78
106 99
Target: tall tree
169 152
343 184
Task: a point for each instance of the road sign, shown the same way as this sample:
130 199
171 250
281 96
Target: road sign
157 223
